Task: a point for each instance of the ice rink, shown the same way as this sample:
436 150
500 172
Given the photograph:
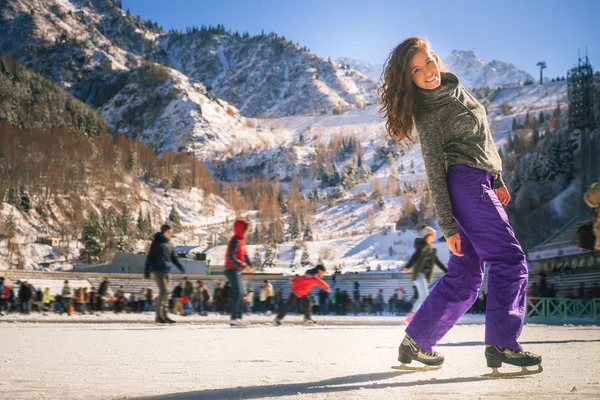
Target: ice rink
328 361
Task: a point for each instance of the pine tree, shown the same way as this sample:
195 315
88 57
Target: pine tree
339 192
269 257
412 166
541 118
308 233
305 259
294 229
90 239
25 202
256 260
141 223
514 124
174 216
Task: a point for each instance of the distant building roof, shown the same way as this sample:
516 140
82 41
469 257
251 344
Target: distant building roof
561 244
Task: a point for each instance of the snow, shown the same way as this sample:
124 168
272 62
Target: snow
120 360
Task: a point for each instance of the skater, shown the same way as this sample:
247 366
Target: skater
237 262
159 261
464 172
421 262
301 287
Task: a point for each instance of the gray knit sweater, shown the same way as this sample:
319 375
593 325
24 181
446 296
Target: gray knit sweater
453 129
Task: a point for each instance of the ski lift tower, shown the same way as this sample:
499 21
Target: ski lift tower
542 65
580 88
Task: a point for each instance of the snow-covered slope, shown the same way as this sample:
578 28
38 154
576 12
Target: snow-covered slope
24 253
100 54
372 71
267 74
474 72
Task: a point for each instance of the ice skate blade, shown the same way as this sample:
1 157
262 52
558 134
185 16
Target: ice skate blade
524 372
404 367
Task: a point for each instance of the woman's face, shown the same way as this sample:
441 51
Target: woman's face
424 70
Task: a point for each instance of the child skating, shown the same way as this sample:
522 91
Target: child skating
464 172
422 262
299 293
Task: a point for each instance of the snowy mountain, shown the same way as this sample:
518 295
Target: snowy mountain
266 74
372 71
98 52
474 72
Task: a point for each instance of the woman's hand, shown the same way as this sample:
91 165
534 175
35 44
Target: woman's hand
453 243
503 195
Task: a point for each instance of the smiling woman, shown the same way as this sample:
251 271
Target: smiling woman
464 172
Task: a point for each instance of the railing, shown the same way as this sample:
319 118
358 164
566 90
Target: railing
559 308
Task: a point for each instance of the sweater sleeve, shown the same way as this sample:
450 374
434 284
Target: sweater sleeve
435 166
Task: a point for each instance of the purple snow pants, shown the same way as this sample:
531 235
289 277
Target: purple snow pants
485 236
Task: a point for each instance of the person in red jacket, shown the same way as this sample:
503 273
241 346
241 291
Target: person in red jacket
301 287
237 262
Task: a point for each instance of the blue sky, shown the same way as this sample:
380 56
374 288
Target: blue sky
521 32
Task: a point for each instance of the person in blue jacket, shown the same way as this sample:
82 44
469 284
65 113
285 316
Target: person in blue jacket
161 257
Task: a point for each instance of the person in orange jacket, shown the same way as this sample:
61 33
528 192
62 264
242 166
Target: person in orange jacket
301 287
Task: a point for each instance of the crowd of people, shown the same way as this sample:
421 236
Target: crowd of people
24 298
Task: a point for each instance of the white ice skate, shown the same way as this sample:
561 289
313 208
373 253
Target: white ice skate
496 355
237 323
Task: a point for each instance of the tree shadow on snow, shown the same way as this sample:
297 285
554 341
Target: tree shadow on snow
340 384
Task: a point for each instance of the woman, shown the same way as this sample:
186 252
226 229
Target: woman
464 172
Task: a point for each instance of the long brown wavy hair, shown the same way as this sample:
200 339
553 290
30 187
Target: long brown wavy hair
398 90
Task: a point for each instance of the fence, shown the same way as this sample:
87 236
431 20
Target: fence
557 308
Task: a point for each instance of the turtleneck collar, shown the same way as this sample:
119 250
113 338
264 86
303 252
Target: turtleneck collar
439 95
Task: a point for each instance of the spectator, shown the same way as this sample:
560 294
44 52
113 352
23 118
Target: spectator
67 295
177 297
543 285
278 299
380 302
25 295
102 294
337 299
248 299
119 300
570 294
92 298
47 299
270 296
80 300
323 302
262 299
356 298
218 299
188 288
149 299
202 296
227 297
3 296
141 304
